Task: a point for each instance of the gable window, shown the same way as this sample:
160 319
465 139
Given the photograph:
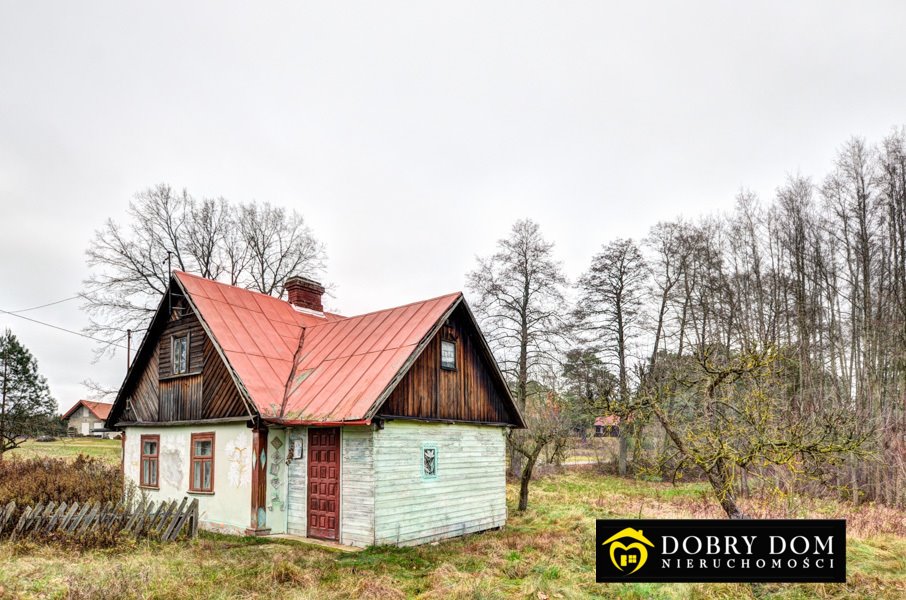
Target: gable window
201 479
180 354
429 461
448 355
150 460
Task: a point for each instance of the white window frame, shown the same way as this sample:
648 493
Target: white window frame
174 367
443 365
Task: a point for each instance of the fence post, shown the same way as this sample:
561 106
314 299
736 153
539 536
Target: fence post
7 515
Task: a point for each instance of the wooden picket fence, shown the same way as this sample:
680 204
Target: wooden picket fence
163 522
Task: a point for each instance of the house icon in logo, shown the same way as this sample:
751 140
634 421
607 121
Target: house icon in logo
629 554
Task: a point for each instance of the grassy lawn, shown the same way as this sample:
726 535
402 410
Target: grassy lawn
106 450
548 552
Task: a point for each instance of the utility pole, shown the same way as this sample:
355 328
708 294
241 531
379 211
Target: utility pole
5 341
169 277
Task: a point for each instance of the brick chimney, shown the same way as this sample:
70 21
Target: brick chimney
304 293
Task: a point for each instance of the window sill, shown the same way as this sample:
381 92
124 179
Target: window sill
200 493
149 487
179 375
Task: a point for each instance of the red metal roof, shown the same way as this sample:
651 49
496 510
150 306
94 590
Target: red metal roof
99 409
304 367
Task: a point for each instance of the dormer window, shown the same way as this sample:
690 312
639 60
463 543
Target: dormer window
180 354
448 355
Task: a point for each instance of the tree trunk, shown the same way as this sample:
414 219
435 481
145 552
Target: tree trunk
525 478
624 451
515 461
3 400
728 503
720 481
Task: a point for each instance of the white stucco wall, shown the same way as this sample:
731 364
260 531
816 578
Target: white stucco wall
228 508
468 494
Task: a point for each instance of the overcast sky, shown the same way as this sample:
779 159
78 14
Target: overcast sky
411 135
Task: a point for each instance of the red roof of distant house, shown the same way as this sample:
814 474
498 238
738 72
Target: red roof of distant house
99 409
609 420
299 366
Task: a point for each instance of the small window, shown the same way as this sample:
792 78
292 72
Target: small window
202 475
150 460
180 354
447 355
429 461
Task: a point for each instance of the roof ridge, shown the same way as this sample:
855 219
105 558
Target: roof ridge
91 405
338 316
238 287
389 308
326 314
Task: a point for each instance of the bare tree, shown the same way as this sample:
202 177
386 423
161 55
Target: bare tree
817 276
206 236
279 245
253 245
549 420
609 312
664 242
519 301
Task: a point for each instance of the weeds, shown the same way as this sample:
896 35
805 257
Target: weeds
33 480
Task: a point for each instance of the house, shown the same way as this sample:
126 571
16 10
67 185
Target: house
607 426
87 417
282 418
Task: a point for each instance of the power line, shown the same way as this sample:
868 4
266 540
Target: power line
13 314
44 305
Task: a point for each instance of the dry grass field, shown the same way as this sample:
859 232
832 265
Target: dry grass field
543 554
106 450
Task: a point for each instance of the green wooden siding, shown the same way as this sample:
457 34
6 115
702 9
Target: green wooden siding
357 487
467 495
297 485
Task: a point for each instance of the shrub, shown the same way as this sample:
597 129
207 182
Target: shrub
85 479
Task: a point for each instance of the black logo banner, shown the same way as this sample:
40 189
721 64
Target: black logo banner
719 550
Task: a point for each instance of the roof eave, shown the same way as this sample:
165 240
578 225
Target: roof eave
460 299
130 371
316 423
489 354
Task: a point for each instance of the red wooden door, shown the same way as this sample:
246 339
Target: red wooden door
324 482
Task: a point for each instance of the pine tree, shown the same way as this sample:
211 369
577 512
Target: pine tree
25 399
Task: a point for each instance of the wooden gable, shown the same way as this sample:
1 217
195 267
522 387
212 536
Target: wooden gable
153 393
471 392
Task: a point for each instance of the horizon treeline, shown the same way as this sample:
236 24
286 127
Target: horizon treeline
815 276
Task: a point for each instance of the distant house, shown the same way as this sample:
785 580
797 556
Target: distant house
607 426
281 418
87 417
